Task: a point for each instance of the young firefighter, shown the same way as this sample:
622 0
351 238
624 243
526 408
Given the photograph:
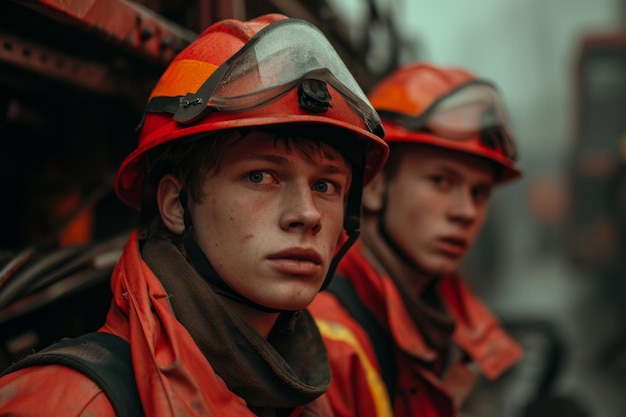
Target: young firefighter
403 331
252 155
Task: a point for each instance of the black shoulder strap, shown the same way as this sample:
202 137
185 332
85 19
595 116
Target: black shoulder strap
381 339
103 357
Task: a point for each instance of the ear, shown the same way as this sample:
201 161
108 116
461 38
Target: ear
171 210
373 194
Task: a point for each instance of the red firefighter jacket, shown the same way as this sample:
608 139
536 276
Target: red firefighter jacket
357 388
172 375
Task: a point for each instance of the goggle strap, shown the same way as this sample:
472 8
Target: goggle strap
351 223
188 108
159 105
163 105
194 106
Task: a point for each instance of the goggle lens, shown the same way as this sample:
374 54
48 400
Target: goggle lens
275 60
470 111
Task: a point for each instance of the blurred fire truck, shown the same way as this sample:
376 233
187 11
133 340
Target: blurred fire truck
596 225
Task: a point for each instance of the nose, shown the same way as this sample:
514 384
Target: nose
463 208
300 210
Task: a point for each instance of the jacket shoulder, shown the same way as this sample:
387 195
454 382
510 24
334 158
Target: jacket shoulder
52 390
103 357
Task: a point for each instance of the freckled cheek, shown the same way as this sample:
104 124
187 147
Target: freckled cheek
243 219
237 222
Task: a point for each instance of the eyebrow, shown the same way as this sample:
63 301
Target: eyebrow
457 174
281 160
275 159
449 171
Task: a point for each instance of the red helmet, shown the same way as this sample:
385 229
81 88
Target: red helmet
269 71
449 108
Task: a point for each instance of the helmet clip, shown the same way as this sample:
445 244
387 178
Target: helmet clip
313 96
191 108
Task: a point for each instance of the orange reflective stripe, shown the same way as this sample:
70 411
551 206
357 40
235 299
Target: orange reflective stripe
182 77
398 99
337 332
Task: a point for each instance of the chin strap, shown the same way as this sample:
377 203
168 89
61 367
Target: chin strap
353 235
351 222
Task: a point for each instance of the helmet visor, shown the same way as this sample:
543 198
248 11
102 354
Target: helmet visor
469 111
276 60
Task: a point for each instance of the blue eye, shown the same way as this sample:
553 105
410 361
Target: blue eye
321 187
256 177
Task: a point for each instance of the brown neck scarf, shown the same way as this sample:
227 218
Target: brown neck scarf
287 370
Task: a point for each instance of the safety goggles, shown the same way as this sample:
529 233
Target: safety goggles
287 54
469 111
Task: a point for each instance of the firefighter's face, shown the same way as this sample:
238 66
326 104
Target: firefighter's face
271 218
436 205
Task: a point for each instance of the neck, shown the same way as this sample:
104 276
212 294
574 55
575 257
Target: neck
261 321
407 276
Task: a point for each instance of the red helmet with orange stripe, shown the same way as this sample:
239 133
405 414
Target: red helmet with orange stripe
449 108
269 71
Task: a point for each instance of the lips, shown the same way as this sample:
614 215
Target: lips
297 261
453 246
